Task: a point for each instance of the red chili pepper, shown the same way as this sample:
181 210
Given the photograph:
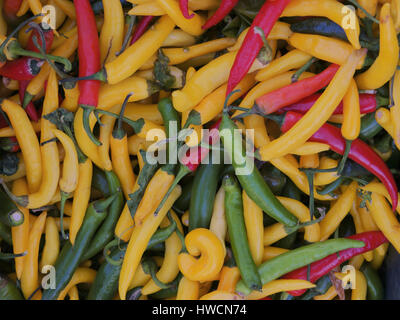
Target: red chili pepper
318 269
24 68
360 152
30 108
141 28
223 10
184 5
296 91
48 37
10 8
368 104
88 52
252 44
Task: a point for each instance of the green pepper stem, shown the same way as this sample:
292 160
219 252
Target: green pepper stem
86 126
132 20
367 14
9 256
303 69
100 76
64 197
150 267
345 156
107 248
119 132
102 205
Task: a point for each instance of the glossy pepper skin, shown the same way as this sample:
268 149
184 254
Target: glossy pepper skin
223 10
252 44
360 152
318 269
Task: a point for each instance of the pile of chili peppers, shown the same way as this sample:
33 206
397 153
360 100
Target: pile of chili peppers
290 193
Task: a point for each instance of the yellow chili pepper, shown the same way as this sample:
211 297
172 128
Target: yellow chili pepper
294 59
185 219
27 141
395 109
357 261
67 7
218 222
272 252
155 192
206 80
309 161
318 114
331 9
384 66
10 132
11 84
104 137
30 273
338 211
169 268
81 275
179 38
188 289
359 288
36 6
192 26
141 278
70 101
324 178
220 295
81 197
23 9
280 285
311 148
359 228
138 241
351 113
369 5
134 56
385 219
73 293
51 247
379 188
269 85
253 218
112 95
383 117
20 234
135 111
134 143
65 50
395 10
180 55
229 277
112 32
204 243
325 48
379 256
328 295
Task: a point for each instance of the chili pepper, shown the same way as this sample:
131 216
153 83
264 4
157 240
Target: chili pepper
315 117
28 142
218 222
202 200
10 215
112 32
375 287
106 231
265 19
51 248
394 110
322 286
292 60
169 268
81 275
359 152
11 7
253 183
238 235
141 28
385 64
318 269
170 116
168 293
70 256
223 10
184 6
20 234
211 259
188 289
29 278
24 68
138 241
30 108
5 234
285 96
183 202
368 104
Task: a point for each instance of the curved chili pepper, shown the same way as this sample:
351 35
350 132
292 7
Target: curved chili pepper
10 8
368 104
24 68
223 10
318 269
30 108
141 28
360 152
252 44
184 5
296 91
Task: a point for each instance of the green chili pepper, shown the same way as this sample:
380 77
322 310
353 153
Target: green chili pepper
374 282
204 191
9 213
134 294
8 289
5 233
369 127
70 256
167 293
275 179
297 258
106 230
99 181
238 235
169 115
287 242
183 202
252 182
291 191
322 286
